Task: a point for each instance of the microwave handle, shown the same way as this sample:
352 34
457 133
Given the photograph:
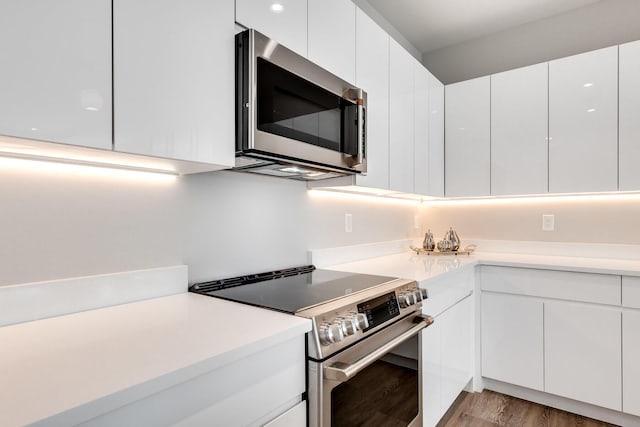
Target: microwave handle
359 157
343 372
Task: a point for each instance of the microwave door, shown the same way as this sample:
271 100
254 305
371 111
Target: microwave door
291 109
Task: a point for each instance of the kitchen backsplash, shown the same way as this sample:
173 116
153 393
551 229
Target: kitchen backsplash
614 220
65 221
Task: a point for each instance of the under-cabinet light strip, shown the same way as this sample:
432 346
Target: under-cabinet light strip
426 200
89 163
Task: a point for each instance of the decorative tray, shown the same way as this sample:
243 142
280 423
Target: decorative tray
466 251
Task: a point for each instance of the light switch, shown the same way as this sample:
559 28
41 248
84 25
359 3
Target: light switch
348 223
548 222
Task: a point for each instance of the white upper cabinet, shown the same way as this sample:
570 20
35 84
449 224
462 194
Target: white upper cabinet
629 124
372 75
519 125
436 137
55 78
421 129
284 21
583 122
174 79
467 147
332 36
401 117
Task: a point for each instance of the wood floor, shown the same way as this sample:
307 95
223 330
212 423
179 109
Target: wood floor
490 409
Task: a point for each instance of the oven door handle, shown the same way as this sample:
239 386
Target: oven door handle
343 372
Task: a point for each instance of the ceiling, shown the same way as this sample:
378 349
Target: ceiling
433 24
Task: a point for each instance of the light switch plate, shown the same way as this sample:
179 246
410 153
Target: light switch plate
548 222
348 223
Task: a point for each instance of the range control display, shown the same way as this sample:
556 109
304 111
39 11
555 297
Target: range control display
380 309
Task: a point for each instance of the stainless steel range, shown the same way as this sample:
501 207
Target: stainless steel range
364 351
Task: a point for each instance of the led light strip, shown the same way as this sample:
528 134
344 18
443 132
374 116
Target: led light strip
370 194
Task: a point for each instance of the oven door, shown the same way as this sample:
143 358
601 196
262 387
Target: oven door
376 382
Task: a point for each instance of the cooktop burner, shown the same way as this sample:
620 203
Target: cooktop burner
290 290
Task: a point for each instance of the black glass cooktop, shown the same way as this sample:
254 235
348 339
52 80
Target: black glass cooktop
304 288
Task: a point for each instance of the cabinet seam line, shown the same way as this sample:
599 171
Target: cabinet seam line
548 130
544 358
618 122
113 60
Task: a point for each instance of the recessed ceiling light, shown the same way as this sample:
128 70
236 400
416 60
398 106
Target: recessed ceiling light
588 84
591 110
277 7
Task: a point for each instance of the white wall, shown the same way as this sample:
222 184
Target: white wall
606 23
584 220
64 221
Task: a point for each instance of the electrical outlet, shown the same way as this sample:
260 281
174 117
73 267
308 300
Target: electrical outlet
348 223
417 222
548 222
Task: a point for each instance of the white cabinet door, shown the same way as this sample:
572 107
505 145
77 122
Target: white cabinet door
519 119
629 125
583 122
55 78
630 357
421 130
174 79
401 116
583 352
436 137
284 21
446 360
467 143
456 324
332 36
372 75
431 375
512 340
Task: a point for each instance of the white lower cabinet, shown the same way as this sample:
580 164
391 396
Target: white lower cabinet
263 387
583 353
294 417
561 333
456 350
630 365
447 359
512 340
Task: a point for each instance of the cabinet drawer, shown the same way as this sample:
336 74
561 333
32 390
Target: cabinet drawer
446 291
631 291
585 287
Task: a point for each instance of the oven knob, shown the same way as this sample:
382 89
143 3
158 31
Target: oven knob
349 325
418 295
407 299
330 333
425 293
361 320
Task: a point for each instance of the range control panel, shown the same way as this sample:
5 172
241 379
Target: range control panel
339 328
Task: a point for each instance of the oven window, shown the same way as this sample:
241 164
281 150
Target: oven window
385 394
295 108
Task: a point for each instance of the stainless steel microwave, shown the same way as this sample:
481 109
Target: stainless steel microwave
295 119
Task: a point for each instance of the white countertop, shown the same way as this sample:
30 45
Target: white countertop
422 268
80 365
